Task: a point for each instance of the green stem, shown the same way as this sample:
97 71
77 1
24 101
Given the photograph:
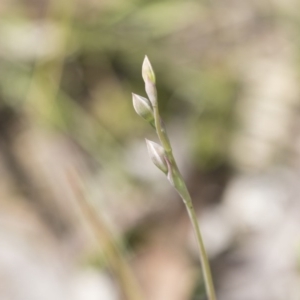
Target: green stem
115 258
209 286
162 135
181 188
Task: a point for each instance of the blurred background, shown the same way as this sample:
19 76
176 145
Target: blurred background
84 215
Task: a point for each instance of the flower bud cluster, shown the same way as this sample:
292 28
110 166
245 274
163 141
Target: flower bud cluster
145 108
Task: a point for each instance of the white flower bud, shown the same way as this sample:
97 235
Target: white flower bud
143 107
147 71
157 155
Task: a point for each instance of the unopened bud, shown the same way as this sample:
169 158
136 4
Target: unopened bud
143 107
147 71
157 155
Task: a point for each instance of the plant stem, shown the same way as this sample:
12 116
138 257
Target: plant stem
209 286
160 130
115 258
181 188
175 176
185 195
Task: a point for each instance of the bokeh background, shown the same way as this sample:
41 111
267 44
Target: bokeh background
84 214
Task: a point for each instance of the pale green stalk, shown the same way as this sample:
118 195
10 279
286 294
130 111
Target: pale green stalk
181 188
168 165
111 251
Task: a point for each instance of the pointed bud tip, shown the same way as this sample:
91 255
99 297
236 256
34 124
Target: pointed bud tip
146 60
157 155
134 97
152 145
143 107
147 71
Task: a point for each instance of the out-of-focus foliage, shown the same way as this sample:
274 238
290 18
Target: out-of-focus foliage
85 57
